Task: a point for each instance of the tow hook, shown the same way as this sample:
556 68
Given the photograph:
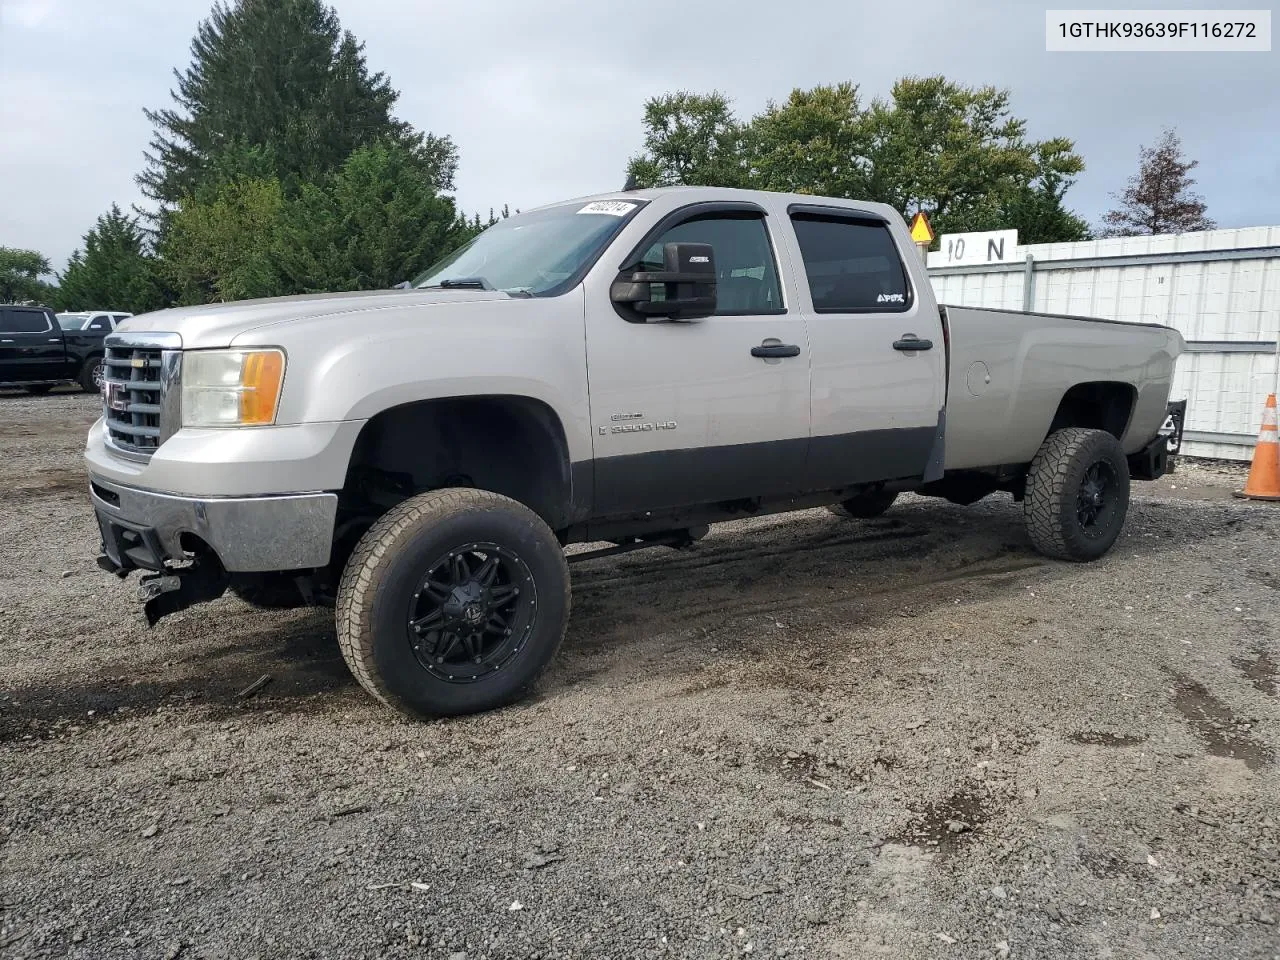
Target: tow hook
151 587
164 593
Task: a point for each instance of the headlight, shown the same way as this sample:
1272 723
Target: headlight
231 388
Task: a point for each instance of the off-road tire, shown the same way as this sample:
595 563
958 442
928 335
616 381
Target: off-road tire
866 506
86 375
385 570
1050 509
38 389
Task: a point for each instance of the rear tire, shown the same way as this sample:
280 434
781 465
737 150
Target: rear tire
1077 494
91 375
453 602
865 506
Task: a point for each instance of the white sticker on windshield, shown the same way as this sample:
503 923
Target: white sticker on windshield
614 208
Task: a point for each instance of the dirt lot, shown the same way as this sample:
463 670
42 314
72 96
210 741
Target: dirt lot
910 737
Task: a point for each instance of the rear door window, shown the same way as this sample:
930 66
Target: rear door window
852 265
13 320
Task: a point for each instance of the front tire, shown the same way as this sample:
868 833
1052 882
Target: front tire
1077 494
91 375
453 602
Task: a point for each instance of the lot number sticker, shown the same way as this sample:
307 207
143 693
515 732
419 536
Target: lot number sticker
614 208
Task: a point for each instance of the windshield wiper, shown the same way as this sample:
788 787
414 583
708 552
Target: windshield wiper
465 283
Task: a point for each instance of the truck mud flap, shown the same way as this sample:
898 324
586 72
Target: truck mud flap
166 593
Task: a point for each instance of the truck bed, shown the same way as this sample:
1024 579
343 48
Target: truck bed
1009 372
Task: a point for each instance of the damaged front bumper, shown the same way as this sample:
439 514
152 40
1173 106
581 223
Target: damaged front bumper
192 543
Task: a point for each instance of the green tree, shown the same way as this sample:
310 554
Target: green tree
954 151
222 247
276 89
1036 210
377 222
20 272
690 138
1158 199
115 271
812 143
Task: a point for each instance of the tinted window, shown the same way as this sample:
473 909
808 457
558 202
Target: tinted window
23 321
746 275
853 266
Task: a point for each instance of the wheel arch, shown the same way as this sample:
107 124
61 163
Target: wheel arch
511 444
1096 405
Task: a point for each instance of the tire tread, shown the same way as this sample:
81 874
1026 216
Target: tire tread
356 590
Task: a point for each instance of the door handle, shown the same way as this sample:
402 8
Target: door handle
55 339
772 348
910 343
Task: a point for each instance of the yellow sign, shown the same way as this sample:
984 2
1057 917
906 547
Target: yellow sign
921 232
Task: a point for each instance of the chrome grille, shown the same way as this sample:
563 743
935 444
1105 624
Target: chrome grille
133 398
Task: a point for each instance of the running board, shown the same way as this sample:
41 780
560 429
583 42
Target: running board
677 539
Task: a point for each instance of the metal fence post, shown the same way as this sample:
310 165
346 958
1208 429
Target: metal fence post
1029 284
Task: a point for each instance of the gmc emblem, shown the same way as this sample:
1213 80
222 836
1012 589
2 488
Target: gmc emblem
117 399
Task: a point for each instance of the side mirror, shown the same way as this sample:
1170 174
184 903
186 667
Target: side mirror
684 289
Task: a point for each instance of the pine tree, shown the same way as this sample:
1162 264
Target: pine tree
276 88
115 271
1158 198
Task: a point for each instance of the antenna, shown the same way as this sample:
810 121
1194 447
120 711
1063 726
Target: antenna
630 184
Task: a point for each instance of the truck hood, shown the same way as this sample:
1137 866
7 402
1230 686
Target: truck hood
217 324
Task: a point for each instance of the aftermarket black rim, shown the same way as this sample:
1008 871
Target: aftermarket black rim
472 613
1096 499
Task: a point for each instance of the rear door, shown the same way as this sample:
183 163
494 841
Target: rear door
878 394
683 413
31 346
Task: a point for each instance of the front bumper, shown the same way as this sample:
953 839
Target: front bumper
145 530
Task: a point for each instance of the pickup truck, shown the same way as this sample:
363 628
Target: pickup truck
624 370
37 354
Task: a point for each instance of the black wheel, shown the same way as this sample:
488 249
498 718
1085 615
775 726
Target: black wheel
865 506
91 375
454 602
1077 494
39 389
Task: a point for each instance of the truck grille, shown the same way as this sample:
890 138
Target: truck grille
132 398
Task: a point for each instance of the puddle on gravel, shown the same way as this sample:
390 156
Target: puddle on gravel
1262 671
1095 738
1221 730
947 825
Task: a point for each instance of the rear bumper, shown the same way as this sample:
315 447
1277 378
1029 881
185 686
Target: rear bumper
142 529
1157 458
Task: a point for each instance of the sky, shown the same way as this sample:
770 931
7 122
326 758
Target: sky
544 99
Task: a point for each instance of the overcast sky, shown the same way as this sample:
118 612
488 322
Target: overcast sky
544 97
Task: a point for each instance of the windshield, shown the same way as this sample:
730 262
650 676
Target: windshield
539 253
68 322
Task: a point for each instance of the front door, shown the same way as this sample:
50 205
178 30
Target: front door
877 403
30 346
683 413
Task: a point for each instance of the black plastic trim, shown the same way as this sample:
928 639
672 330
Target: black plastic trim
834 212
668 479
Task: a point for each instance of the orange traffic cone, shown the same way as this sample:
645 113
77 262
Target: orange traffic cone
1264 475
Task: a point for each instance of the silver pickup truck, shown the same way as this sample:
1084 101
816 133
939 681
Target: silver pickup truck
623 370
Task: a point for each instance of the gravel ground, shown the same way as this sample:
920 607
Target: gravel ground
910 737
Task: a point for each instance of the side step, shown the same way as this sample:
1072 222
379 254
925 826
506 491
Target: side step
677 539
